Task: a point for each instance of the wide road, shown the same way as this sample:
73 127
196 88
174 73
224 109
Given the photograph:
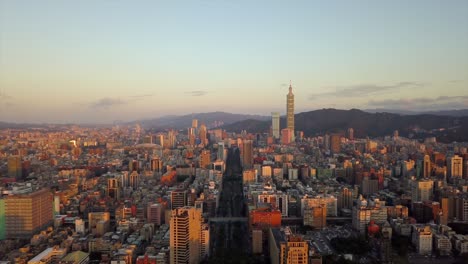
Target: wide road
230 239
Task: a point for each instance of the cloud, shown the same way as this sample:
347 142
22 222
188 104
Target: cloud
363 90
423 103
141 96
107 102
197 93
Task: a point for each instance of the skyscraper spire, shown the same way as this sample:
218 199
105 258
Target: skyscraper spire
290 111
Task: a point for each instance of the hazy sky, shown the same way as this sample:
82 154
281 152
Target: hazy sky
99 61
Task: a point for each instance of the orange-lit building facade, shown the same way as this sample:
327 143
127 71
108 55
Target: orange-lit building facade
27 214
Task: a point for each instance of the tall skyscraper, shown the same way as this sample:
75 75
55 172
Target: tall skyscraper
290 111
455 167
335 143
202 134
26 214
195 123
427 166
275 124
14 167
188 241
247 154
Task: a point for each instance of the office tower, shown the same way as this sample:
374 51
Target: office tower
422 239
15 169
189 241
442 218
220 154
290 111
27 214
205 159
247 154
160 140
156 164
346 198
178 199
171 137
421 190
191 136
455 167
275 124
99 223
202 134
113 188
155 214
276 200
427 166
369 186
134 180
286 136
335 143
195 123
350 133
133 165
315 216
286 248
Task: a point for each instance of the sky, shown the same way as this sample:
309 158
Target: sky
102 61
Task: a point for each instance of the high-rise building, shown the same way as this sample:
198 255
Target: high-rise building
134 180
455 167
350 133
191 136
113 188
155 213
99 223
422 239
427 166
315 216
205 159
422 190
188 241
275 124
195 123
247 154
290 111
286 136
202 134
15 169
26 214
156 164
335 143
286 248
221 151
178 199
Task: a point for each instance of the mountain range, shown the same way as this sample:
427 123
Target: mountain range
444 128
447 126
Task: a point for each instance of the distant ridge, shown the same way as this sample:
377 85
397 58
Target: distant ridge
455 112
445 128
185 121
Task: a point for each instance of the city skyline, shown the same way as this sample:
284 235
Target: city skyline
99 62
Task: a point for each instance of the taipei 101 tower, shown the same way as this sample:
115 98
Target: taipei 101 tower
290 111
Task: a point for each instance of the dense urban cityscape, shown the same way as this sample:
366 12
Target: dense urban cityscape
234 132
125 194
